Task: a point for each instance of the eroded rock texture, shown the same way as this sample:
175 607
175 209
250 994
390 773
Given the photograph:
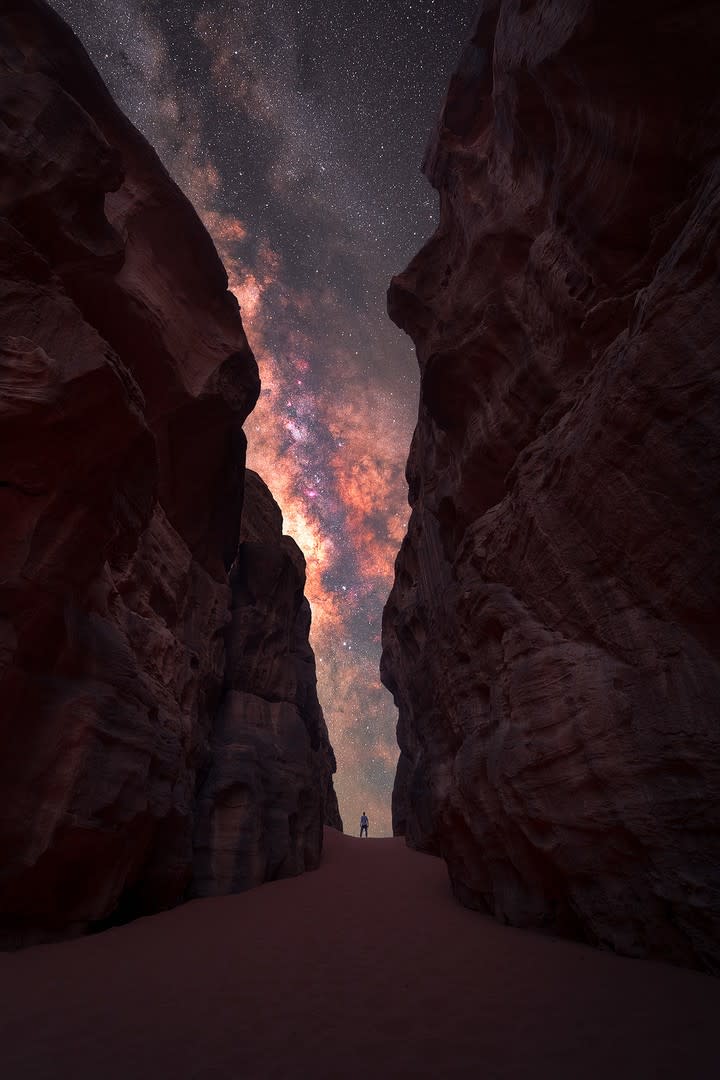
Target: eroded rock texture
552 635
125 376
268 789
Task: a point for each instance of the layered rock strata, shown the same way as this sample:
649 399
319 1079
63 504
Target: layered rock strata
552 635
125 376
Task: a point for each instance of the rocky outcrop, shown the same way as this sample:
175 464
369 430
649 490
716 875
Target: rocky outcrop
552 635
125 377
261 807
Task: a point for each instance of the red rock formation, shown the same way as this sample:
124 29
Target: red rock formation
261 796
125 377
552 635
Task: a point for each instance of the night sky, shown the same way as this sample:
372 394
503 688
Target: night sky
297 129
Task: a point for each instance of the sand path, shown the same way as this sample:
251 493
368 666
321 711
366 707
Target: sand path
366 968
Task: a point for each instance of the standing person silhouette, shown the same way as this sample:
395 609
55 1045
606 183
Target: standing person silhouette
364 822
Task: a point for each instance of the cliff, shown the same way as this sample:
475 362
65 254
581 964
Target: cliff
125 376
268 790
552 636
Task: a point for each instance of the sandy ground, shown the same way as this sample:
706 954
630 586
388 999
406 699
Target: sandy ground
366 968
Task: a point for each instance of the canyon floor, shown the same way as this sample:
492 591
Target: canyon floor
365 968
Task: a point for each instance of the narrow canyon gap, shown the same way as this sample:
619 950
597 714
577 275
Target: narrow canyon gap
297 131
551 636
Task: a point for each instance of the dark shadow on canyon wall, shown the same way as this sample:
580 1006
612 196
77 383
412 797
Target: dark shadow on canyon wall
552 636
141 760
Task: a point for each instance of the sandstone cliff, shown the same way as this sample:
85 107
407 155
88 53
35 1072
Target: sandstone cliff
125 377
552 636
261 794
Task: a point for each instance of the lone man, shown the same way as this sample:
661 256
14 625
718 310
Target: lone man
364 822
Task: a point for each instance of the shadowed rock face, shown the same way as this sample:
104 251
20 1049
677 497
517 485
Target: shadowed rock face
125 376
552 636
268 789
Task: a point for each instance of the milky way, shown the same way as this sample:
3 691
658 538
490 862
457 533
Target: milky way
297 130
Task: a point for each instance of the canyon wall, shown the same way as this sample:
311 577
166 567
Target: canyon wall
552 636
125 377
269 749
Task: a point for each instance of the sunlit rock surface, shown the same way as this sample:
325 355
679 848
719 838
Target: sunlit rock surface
125 377
552 635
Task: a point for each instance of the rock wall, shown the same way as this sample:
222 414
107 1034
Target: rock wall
552 635
261 797
125 376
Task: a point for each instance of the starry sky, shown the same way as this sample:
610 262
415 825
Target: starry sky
297 128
